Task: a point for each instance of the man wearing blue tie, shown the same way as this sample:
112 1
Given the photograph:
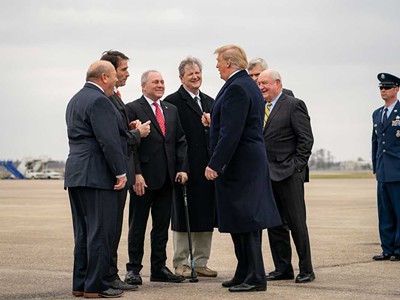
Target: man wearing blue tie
386 166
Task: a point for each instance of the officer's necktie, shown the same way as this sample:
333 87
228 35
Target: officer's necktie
267 111
384 117
160 118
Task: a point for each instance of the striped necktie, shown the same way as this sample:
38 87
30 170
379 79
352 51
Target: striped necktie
267 111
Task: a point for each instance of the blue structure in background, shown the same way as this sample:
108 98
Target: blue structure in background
10 167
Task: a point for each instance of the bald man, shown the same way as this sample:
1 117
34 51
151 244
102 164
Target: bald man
94 173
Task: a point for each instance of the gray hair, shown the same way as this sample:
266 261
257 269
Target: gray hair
190 60
257 62
145 76
274 75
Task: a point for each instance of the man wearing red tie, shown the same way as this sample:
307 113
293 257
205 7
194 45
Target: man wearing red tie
162 159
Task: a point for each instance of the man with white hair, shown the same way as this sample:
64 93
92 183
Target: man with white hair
288 141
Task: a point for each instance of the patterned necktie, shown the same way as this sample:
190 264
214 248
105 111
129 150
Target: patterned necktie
384 117
160 118
198 101
267 111
118 94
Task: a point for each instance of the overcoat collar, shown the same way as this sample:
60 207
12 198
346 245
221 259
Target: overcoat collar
189 100
230 80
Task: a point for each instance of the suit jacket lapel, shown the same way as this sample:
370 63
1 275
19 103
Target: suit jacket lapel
149 112
275 110
121 108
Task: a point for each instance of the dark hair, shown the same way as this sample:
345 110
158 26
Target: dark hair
114 57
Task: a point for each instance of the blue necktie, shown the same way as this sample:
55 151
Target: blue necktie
384 117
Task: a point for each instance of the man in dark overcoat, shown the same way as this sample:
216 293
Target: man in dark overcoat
191 104
239 166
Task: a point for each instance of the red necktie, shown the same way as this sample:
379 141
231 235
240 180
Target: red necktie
118 94
160 118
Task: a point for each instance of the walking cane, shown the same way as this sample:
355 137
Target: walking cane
193 275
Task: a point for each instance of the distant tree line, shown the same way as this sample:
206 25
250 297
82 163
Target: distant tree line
322 159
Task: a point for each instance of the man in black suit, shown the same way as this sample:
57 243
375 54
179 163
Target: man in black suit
288 141
239 166
94 173
256 66
120 63
162 159
191 104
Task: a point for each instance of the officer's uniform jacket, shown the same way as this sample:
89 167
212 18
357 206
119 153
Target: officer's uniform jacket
386 145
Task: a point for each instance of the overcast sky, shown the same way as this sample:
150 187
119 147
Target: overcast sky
328 53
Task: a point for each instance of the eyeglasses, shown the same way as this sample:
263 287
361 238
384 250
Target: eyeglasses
386 87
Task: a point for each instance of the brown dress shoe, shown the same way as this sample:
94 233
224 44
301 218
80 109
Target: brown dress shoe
205 272
77 293
184 271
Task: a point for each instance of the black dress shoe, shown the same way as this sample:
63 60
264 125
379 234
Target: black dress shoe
133 278
395 257
275 275
165 275
120 285
305 277
381 257
232 282
110 293
244 287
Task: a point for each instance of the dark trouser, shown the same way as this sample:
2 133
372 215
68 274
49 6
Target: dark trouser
139 207
250 265
389 216
94 215
289 197
113 273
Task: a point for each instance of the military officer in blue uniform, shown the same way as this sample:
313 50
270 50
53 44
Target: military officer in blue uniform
386 166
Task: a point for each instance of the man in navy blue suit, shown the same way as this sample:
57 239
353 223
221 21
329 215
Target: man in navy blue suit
239 166
94 173
386 166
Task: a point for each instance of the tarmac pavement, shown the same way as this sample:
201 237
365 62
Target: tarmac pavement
36 248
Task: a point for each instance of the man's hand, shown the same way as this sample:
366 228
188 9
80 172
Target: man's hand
206 119
183 177
120 183
210 174
140 185
134 124
144 129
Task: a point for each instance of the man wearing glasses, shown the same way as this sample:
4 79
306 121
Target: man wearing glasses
386 166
